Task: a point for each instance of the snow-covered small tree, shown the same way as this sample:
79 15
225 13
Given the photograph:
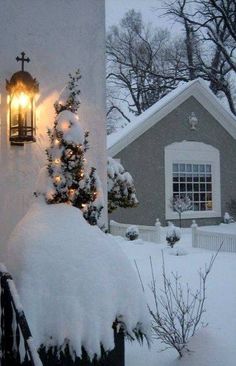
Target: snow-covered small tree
121 189
173 234
231 207
132 232
227 218
180 204
74 182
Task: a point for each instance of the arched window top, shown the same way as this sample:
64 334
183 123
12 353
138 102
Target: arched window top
194 146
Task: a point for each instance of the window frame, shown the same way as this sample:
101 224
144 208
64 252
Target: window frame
192 152
195 182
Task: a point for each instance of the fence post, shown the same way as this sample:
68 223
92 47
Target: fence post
194 233
158 231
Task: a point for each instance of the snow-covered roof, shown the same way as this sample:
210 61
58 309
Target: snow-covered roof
74 280
197 88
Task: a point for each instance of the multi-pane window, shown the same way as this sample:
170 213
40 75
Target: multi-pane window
194 181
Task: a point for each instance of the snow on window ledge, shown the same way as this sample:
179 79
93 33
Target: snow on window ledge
171 215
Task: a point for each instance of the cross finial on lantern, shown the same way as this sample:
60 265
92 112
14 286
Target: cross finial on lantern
23 60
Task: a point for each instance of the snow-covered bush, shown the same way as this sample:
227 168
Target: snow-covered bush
227 218
72 180
132 232
180 205
70 288
120 186
231 207
173 234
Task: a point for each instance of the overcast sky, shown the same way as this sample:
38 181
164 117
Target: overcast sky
150 9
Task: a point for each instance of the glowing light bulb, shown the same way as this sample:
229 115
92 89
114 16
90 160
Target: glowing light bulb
57 141
84 205
65 125
21 100
57 179
57 161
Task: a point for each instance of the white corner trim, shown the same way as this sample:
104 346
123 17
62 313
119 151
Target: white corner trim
213 105
196 88
194 153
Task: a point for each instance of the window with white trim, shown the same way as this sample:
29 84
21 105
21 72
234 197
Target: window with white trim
195 182
193 169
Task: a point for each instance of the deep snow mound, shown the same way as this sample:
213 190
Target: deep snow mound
73 279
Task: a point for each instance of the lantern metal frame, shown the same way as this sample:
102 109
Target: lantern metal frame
22 126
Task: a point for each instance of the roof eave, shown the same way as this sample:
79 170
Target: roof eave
203 95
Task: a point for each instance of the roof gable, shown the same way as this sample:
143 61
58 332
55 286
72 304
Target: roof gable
196 88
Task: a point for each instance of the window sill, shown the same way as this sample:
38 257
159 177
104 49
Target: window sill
192 215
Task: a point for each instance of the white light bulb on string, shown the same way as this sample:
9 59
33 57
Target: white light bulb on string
65 125
71 192
57 179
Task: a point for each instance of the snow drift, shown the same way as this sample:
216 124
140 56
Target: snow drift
73 279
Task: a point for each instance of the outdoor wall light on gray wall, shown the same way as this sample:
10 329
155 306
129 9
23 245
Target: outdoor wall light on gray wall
22 89
193 121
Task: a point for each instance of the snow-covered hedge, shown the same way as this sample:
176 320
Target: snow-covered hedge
74 281
120 186
173 234
228 219
132 232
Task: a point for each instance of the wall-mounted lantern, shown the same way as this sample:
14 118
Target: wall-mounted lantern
193 121
22 89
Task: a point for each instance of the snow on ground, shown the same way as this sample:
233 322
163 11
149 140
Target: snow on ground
213 345
222 228
73 279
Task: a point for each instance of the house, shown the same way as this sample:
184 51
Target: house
55 37
184 145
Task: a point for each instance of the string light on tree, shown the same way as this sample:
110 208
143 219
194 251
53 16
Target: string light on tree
57 179
74 182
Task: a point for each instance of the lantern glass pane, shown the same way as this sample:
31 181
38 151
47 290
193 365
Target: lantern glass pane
21 117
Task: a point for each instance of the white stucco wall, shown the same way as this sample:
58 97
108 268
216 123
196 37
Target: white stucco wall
59 36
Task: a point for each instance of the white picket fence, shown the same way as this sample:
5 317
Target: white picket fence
146 233
211 240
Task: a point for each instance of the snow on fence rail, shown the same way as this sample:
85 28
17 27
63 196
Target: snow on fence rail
146 233
212 240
